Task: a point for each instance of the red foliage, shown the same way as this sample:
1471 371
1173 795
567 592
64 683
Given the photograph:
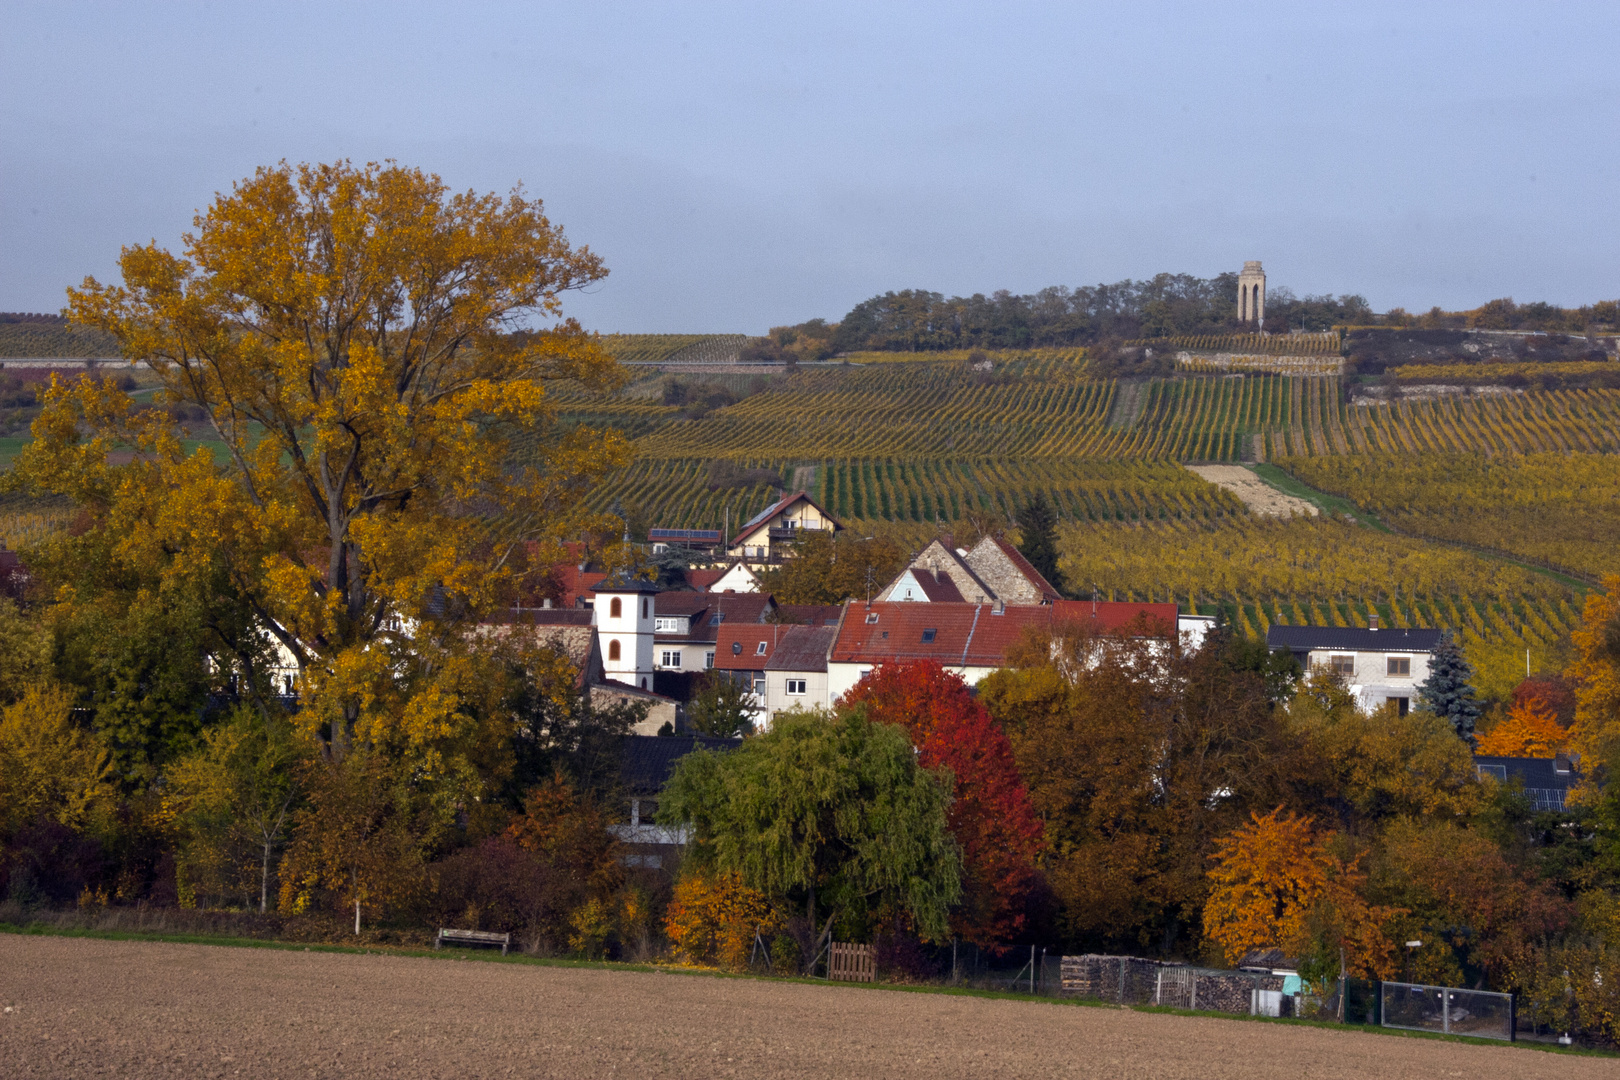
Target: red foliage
991 817
1547 694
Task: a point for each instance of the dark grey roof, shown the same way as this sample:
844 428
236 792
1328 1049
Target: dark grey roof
649 759
704 535
1535 772
619 583
802 648
1352 639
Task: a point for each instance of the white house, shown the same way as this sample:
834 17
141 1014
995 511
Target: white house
624 618
761 538
1378 665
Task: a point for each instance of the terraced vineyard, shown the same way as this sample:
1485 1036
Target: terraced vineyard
1329 572
674 348
1279 344
1556 509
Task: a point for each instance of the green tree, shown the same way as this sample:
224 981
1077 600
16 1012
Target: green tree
1038 541
721 706
1448 691
828 568
237 795
828 811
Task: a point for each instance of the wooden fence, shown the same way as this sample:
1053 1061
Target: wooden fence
852 963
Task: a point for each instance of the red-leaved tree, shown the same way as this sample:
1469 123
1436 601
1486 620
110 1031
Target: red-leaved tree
991 817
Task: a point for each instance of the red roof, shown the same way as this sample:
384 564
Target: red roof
971 635
747 646
577 584
702 579
811 614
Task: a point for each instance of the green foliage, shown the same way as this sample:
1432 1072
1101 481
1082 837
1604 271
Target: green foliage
1448 691
828 810
720 706
829 568
1037 524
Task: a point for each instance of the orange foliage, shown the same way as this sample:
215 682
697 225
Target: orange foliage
714 920
570 832
1530 730
1596 674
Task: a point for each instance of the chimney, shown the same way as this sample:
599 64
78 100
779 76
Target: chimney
1372 621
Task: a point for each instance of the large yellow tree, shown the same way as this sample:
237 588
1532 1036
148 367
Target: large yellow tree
361 342
367 354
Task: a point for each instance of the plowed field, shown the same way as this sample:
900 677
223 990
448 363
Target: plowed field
134 1009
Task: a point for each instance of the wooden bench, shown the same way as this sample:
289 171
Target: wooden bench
473 937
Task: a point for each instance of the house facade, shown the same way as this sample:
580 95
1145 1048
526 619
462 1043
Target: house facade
763 538
796 670
1378 665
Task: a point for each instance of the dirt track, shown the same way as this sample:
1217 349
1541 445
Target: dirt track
1260 497
134 1009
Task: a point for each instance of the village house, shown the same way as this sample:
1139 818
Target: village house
764 538
992 570
796 670
970 640
1378 665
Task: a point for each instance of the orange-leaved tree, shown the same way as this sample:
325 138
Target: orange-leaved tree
1276 884
1596 674
991 816
1530 729
360 344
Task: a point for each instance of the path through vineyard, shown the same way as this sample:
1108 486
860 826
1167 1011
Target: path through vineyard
1260 497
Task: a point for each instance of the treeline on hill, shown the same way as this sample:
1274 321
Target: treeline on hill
1166 305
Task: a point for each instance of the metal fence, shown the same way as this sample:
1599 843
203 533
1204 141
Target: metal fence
1131 980
1415 1007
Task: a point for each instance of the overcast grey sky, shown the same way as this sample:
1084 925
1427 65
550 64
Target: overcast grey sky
746 165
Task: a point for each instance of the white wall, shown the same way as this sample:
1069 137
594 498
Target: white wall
633 630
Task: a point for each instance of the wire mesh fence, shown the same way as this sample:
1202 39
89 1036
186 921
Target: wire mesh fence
1132 980
1416 1007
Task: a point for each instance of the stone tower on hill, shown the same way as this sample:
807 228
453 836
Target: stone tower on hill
1252 294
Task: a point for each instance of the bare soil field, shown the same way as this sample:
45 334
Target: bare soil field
76 1007
1260 497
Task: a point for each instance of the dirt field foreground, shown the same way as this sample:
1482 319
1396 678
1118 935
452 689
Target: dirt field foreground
77 1007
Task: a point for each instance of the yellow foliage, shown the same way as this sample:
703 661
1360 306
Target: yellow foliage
48 765
1596 673
714 920
389 447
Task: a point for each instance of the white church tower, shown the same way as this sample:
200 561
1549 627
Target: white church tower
1252 294
623 614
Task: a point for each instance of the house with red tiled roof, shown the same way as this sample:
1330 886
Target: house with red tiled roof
761 539
971 640
688 624
796 670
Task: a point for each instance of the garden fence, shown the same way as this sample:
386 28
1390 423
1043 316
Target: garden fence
1453 1011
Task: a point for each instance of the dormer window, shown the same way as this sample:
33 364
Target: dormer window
871 619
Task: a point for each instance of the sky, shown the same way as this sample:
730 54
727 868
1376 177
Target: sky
740 166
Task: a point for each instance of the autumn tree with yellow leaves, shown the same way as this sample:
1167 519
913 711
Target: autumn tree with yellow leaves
361 341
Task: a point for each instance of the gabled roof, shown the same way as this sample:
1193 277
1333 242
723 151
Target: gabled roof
973 635
647 760
781 506
810 614
1352 639
1025 567
940 560
938 588
710 611
737 645
802 648
702 579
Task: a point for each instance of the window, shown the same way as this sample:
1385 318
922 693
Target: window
708 659
761 650
871 619
664 625
928 636
1402 705
736 648
1399 665
615 609
717 618
644 608
759 685
672 658
1344 665
795 687
613 646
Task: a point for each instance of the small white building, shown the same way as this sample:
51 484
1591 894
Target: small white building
625 618
1378 665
